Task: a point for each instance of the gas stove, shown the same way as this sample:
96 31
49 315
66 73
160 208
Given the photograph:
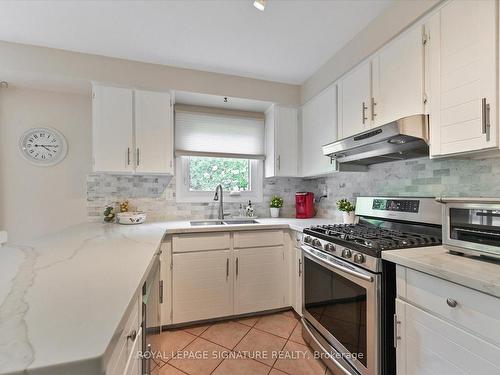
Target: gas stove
384 224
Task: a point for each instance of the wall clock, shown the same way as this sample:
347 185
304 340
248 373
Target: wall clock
43 146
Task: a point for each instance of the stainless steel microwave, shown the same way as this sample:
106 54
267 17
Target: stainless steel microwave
472 226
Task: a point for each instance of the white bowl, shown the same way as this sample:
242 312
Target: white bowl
130 218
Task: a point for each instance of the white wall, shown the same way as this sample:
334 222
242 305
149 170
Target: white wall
397 17
36 200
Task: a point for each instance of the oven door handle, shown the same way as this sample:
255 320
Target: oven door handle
339 267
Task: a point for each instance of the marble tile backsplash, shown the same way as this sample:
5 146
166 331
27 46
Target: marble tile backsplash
419 177
156 196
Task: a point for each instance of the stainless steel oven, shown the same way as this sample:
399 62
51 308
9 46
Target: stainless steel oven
472 226
342 304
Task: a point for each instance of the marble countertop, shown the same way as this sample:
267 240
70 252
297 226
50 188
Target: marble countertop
63 296
469 271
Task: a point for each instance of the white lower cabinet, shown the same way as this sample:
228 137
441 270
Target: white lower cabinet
202 285
259 282
443 328
297 272
248 277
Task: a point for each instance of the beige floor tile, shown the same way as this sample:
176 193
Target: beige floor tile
169 342
277 372
201 357
241 366
260 346
197 330
170 370
297 335
248 321
302 362
290 314
277 324
227 334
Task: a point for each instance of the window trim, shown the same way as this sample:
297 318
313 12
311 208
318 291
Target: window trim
183 194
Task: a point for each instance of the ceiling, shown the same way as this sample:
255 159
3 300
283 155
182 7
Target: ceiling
287 42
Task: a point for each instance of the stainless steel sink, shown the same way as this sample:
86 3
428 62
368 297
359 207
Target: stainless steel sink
241 221
207 222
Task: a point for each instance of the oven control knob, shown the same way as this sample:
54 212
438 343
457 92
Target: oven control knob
346 253
307 239
359 258
316 242
330 248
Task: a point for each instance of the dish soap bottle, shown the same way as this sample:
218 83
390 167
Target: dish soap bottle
249 210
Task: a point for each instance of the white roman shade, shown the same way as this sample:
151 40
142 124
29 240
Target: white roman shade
203 131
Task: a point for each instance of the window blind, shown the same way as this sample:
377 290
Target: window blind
199 133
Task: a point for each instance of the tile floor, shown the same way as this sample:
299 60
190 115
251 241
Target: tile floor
268 344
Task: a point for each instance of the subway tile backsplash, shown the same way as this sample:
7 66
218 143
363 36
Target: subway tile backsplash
419 177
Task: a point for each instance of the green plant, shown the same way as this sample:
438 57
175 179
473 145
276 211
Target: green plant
345 205
276 202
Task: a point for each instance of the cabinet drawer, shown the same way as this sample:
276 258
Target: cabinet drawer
258 238
475 311
199 242
124 346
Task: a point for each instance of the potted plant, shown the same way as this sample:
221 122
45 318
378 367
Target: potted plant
275 205
347 209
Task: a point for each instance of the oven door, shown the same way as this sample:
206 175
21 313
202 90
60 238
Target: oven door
342 303
472 227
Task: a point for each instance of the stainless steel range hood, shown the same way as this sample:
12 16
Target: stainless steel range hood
406 138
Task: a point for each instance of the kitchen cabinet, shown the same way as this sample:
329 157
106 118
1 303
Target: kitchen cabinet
153 133
132 131
398 78
296 275
259 282
462 68
281 142
112 118
355 97
319 127
247 276
444 328
202 284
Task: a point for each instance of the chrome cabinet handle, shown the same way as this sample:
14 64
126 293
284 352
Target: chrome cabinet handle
138 157
227 268
237 267
363 110
373 103
132 335
396 322
279 162
300 267
451 302
485 117
128 155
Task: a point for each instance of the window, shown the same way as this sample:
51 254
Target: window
214 146
198 177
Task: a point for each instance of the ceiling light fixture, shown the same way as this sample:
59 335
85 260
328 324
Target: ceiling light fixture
260 4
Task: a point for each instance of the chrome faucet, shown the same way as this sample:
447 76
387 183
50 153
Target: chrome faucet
221 201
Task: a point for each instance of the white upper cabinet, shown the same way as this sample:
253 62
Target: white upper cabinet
153 132
319 127
462 64
132 131
355 101
398 79
281 142
112 109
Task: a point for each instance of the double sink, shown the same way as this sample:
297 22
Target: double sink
223 222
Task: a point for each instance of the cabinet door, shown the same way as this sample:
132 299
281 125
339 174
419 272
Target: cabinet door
270 125
355 96
319 127
398 77
259 279
286 142
153 132
201 285
112 129
297 271
434 346
463 78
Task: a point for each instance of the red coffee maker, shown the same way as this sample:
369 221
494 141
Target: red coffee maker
304 205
